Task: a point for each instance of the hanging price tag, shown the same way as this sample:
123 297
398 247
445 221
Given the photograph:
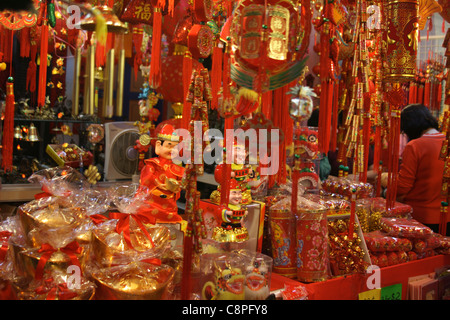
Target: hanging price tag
393 292
374 294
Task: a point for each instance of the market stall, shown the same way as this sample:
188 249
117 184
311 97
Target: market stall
223 150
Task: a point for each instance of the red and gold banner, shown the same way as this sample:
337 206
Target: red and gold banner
402 18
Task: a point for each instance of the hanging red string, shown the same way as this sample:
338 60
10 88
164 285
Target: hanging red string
25 42
8 122
187 73
42 84
155 63
216 75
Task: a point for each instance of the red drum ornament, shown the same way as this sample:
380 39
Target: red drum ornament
267 43
283 240
200 41
312 246
402 19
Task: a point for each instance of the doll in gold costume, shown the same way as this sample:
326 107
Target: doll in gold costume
231 229
162 177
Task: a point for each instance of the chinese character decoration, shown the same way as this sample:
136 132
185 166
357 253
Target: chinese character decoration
137 12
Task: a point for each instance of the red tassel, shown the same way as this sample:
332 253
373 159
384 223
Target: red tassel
225 186
32 68
155 63
334 118
426 93
25 42
266 104
216 75
187 73
43 66
8 128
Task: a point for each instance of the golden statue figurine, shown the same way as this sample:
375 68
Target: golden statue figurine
162 177
231 228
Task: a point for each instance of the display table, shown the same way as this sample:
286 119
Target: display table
348 287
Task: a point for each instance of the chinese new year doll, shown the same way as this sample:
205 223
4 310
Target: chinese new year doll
231 228
163 178
240 172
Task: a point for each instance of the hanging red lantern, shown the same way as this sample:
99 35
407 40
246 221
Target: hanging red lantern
268 41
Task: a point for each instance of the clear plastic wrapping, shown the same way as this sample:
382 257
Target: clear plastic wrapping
342 187
406 228
236 275
399 209
57 286
130 230
378 241
140 279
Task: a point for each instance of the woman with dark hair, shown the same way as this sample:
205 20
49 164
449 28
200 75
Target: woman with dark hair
421 171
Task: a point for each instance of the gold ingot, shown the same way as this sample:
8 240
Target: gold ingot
113 23
32 134
25 261
38 215
107 247
138 281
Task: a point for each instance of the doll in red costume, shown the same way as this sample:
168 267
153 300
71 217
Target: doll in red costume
163 177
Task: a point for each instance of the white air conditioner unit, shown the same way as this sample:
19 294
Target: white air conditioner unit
121 159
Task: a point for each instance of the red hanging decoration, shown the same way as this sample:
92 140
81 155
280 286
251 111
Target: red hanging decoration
42 87
216 75
31 71
25 42
8 127
187 73
155 63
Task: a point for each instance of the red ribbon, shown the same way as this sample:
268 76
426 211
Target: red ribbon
61 290
98 218
4 237
71 250
123 225
155 261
